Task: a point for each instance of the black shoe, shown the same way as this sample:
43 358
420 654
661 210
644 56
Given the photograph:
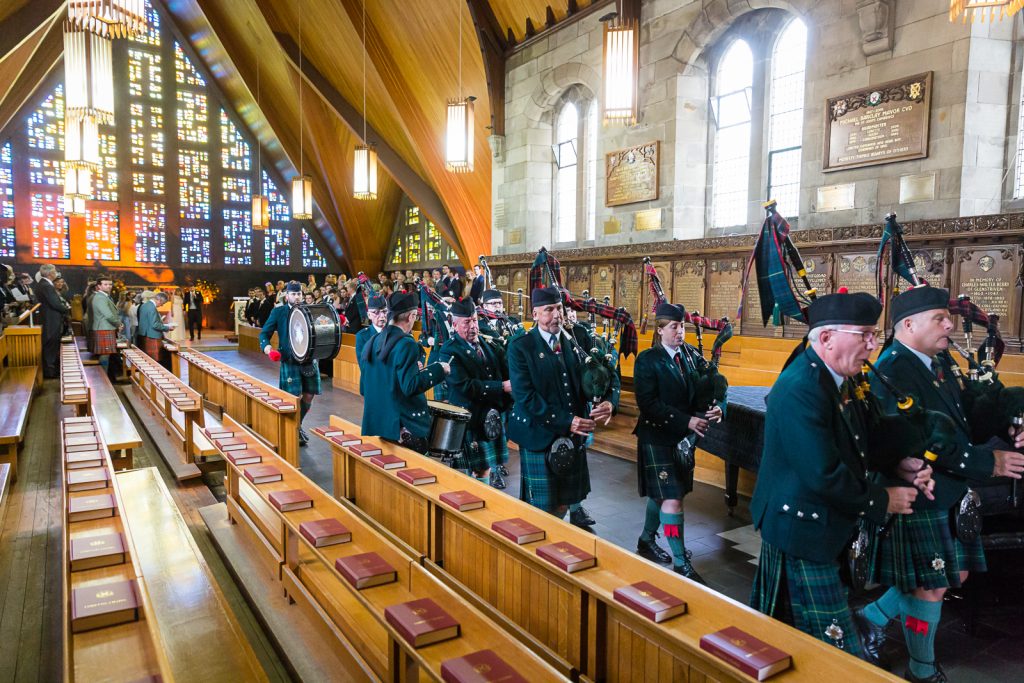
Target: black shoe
650 550
872 638
938 677
496 480
303 437
580 517
502 470
687 570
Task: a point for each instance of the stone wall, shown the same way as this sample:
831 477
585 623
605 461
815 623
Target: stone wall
851 44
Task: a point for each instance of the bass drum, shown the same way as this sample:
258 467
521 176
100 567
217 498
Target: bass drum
314 332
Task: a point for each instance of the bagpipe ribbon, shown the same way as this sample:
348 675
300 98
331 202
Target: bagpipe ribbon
901 261
774 259
364 289
434 311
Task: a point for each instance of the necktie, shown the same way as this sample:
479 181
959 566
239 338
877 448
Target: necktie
937 369
679 363
479 352
556 345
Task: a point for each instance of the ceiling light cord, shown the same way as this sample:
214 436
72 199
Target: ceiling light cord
301 127
460 48
364 73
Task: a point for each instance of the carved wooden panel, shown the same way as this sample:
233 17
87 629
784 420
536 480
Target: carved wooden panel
602 281
577 279
990 276
688 283
629 280
723 288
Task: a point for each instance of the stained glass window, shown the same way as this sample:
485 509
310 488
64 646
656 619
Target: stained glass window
234 150
102 235
192 117
152 34
195 245
150 232
146 124
237 238
6 181
45 171
311 256
276 246
184 71
104 182
148 183
412 215
433 242
46 124
236 189
413 248
566 173
7 249
731 104
49 227
194 184
396 252
145 76
279 209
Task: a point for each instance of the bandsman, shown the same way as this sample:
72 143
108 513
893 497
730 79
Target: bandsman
377 312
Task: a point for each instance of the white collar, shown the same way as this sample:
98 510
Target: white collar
672 354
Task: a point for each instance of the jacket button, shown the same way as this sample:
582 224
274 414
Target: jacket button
871 502
962 465
785 508
799 514
814 515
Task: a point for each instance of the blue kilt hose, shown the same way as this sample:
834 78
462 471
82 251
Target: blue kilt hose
541 488
920 551
659 473
292 379
805 594
104 342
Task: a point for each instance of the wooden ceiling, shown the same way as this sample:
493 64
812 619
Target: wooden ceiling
412 69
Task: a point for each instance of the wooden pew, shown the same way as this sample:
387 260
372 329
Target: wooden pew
353 618
173 583
179 407
75 389
115 423
17 387
271 412
249 338
172 352
572 618
5 481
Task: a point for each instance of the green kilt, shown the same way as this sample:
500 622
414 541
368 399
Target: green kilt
496 451
541 488
807 595
473 457
295 382
659 474
920 551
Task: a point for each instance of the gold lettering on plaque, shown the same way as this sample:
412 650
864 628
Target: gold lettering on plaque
631 174
647 220
879 124
688 284
603 282
612 226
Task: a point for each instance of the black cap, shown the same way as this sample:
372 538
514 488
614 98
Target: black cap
293 287
463 309
859 308
490 295
668 311
545 296
376 302
401 302
918 299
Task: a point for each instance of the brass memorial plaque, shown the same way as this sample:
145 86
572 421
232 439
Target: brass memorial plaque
857 272
930 265
577 279
723 288
989 276
688 284
631 174
630 279
602 282
649 219
878 124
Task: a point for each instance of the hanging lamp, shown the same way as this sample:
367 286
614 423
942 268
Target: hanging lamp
621 68
116 18
458 148
364 167
260 204
77 188
978 9
88 74
302 186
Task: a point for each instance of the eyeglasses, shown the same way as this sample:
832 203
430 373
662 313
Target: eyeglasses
865 336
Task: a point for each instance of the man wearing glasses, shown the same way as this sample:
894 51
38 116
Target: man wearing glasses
813 486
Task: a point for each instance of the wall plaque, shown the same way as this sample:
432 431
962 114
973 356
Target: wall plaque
515 236
857 272
647 220
577 279
630 279
631 174
612 226
917 188
723 288
688 284
835 197
989 276
602 281
879 124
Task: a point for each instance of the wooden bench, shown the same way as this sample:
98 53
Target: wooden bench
249 338
82 344
173 583
271 412
116 424
75 389
17 386
353 620
571 619
5 480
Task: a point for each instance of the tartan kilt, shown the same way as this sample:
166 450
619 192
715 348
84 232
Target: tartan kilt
805 594
496 451
441 392
659 474
291 379
153 347
541 488
920 551
104 342
470 458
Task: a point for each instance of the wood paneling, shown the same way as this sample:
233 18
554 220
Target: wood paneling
512 14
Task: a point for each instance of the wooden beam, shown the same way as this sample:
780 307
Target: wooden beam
571 17
493 48
415 187
45 59
19 26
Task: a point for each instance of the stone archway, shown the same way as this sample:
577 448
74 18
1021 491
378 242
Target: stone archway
555 82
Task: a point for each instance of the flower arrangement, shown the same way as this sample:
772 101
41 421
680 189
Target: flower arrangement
209 290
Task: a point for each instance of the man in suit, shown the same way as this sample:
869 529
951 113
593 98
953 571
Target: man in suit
105 320
194 313
151 328
476 290
395 379
813 486
477 383
377 312
920 558
546 376
53 310
450 285
267 305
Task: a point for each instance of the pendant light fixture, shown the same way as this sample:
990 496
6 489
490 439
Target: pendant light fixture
364 169
260 204
458 148
77 188
621 68
116 18
978 9
88 74
302 186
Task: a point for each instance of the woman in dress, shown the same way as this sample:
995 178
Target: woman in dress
177 335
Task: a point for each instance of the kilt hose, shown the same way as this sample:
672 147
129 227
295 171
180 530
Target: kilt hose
920 551
659 474
807 595
104 342
292 379
542 488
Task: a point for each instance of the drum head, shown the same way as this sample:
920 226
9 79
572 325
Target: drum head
300 333
448 410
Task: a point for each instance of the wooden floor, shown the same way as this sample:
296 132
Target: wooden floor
30 571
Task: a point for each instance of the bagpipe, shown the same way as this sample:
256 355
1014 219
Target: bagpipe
435 315
712 386
506 327
364 290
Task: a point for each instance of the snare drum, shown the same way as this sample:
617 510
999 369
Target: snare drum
314 332
448 428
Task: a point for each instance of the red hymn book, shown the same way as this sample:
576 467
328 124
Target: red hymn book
365 570
566 556
422 622
324 532
293 499
482 666
650 601
745 652
462 500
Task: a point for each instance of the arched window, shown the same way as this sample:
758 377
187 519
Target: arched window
731 108
591 170
566 171
786 117
1018 182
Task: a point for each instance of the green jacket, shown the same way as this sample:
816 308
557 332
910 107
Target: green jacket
150 324
968 462
812 485
474 384
278 322
363 337
103 314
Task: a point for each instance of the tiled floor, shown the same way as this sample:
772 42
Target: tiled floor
725 549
